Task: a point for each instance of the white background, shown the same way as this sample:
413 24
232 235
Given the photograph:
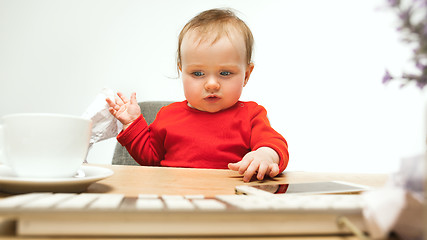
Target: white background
318 70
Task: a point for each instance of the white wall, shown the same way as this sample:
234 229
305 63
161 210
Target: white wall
318 70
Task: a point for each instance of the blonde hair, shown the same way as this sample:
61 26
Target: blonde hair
219 22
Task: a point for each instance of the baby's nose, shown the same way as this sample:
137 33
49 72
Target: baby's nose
212 84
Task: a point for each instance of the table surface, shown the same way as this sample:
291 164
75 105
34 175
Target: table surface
133 180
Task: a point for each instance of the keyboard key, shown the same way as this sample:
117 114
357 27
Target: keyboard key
107 201
48 201
209 204
149 204
194 196
148 196
18 200
78 201
247 202
179 204
172 197
231 199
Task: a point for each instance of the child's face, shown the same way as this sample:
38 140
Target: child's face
213 75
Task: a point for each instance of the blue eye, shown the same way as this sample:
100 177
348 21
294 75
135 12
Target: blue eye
198 74
225 73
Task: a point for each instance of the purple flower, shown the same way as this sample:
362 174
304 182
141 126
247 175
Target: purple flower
414 32
387 77
421 84
422 3
420 65
404 15
393 3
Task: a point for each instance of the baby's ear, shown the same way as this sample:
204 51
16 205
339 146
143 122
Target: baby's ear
248 72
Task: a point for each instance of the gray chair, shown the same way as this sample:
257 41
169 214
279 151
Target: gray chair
149 110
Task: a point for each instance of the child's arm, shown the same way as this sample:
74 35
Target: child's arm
264 160
126 111
271 155
147 149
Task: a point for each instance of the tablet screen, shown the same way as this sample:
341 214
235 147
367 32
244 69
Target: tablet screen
312 187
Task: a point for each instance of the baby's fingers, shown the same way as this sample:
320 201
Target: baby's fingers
262 170
133 99
274 170
110 103
245 163
122 99
234 166
250 171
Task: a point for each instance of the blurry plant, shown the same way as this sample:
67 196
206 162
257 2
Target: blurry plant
412 24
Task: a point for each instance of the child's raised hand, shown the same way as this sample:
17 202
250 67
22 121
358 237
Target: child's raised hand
125 110
264 160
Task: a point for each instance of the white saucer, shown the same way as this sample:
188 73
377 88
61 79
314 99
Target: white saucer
10 183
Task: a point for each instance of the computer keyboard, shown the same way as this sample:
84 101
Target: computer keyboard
90 214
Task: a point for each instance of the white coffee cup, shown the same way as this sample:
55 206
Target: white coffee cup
44 145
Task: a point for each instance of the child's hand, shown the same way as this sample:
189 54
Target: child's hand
126 111
264 161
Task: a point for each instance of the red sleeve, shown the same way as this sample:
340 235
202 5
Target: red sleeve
140 144
263 135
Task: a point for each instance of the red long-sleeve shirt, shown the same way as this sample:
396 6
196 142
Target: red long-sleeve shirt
181 136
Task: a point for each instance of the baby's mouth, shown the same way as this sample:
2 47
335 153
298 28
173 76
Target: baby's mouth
212 98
